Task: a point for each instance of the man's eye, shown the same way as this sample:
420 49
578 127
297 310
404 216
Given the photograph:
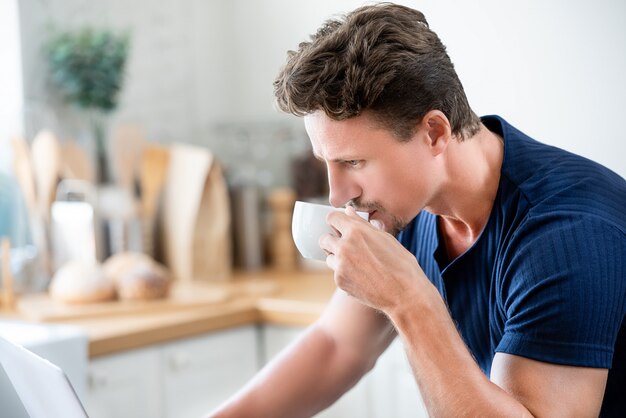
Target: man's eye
353 162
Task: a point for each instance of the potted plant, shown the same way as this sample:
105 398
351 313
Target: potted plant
87 68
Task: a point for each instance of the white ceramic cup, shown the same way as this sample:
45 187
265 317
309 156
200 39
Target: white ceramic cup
309 224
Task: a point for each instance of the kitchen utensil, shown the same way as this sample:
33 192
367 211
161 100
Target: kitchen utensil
128 142
75 163
282 249
75 226
196 216
211 247
189 167
46 156
309 224
8 297
153 171
118 212
152 177
247 227
182 296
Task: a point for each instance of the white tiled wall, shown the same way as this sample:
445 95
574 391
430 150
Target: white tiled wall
160 73
197 63
181 82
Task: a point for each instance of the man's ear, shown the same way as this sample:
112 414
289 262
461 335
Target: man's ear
438 131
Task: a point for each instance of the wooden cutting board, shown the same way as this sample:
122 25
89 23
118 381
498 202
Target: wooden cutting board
41 307
189 167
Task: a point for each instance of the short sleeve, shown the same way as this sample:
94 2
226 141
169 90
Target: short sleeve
563 291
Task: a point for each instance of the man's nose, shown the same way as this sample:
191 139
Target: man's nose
342 189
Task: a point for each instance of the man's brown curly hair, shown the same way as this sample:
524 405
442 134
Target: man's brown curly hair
383 59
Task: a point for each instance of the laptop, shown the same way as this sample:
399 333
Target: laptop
43 388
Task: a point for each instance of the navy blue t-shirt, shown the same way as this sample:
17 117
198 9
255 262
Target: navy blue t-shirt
546 278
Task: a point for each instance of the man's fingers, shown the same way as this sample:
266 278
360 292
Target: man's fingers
328 243
340 221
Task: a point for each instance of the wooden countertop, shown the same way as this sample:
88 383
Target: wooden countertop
286 298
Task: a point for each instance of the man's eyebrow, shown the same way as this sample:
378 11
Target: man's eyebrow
334 160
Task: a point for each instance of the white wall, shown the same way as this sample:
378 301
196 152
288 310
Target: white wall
11 121
553 68
174 73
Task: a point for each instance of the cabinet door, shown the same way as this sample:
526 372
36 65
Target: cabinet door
406 396
275 338
408 400
382 387
125 385
200 373
354 403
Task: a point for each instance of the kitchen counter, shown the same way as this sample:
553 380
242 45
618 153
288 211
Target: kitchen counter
285 298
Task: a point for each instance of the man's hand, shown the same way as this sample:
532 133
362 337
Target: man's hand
370 264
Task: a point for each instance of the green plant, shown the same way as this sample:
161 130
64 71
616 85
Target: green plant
87 66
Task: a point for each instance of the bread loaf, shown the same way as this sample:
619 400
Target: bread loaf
136 276
81 282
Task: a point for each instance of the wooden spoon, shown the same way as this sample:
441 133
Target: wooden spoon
8 296
153 170
46 153
152 177
75 163
128 142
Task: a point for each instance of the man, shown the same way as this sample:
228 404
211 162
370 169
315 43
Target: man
472 225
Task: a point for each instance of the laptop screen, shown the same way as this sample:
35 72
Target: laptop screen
42 387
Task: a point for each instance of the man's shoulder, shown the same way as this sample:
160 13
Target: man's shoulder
529 160
554 181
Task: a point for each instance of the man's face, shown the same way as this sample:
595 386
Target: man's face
368 168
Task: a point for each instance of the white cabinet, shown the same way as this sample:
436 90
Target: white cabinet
389 390
201 373
275 338
402 397
186 378
125 385
352 404
190 377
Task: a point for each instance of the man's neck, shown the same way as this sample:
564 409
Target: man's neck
466 197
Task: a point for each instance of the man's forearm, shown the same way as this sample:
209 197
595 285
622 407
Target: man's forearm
301 381
450 381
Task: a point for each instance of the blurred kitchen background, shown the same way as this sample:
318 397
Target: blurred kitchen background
195 125
201 72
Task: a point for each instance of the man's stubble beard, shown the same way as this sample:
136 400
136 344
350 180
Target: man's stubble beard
396 224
